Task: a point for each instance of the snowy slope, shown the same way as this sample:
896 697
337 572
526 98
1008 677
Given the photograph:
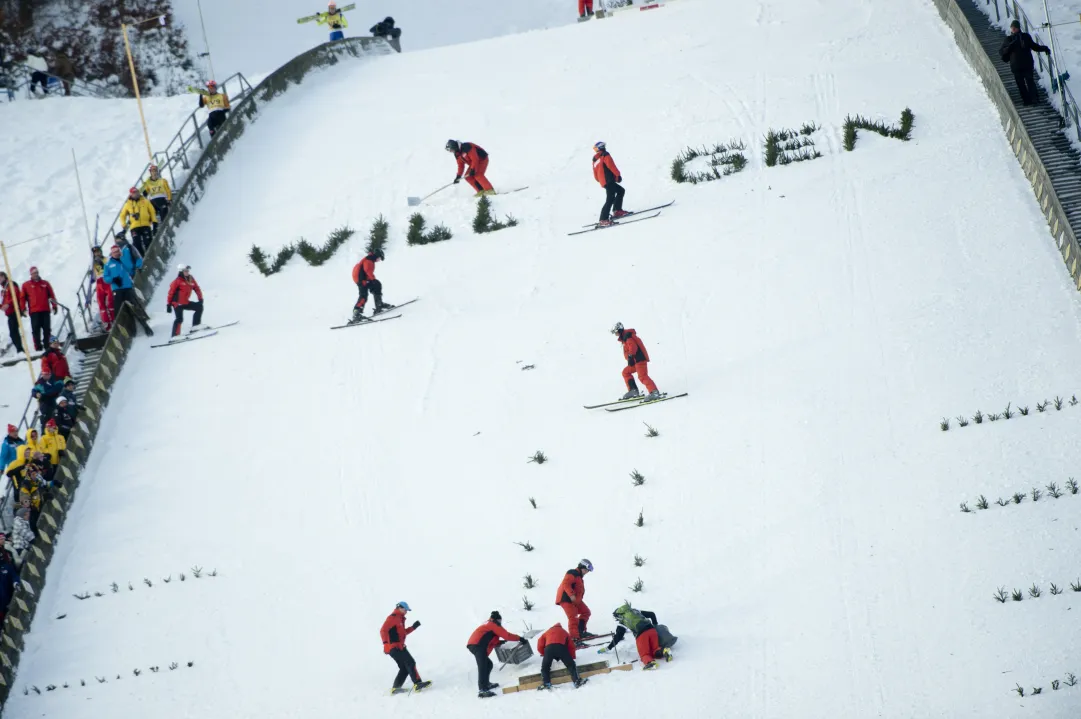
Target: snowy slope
257 37
39 194
801 534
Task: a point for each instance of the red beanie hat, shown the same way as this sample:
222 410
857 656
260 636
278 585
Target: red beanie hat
12 428
50 423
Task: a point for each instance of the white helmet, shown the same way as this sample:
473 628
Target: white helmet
181 267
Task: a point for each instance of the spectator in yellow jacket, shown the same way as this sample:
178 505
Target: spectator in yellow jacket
53 443
217 103
335 20
156 189
139 216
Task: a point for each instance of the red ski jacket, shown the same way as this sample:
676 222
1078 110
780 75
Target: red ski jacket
393 632
488 636
604 169
38 296
556 635
633 349
181 289
364 271
469 154
56 363
9 306
572 589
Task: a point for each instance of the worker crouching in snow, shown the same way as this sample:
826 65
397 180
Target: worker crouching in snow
653 640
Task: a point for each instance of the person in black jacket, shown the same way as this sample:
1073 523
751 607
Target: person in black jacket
1017 50
386 29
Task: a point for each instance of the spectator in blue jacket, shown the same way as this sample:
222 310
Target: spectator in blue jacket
9 447
128 255
118 277
69 392
45 392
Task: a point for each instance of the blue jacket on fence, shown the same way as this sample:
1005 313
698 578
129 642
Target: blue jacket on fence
9 579
114 271
8 451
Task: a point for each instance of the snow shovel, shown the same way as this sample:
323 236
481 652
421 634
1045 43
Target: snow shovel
414 201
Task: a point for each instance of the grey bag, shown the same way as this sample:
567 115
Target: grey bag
515 653
665 637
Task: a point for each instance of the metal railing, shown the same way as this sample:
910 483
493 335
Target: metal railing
1066 105
79 88
173 163
67 341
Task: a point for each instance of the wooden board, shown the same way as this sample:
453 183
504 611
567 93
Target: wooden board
532 681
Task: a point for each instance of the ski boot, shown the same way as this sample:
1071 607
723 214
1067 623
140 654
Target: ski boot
605 223
485 694
620 213
381 308
579 682
545 685
667 655
398 690
358 315
655 394
632 394
492 685
587 635
421 685
649 666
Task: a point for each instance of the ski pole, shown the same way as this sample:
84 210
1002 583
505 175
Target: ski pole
414 201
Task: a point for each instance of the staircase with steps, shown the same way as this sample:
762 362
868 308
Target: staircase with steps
1042 121
85 373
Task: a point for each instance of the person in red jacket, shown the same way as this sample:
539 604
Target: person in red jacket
606 173
473 156
364 277
54 360
481 642
393 633
570 597
556 645
38 299
637 361
10 307
180 299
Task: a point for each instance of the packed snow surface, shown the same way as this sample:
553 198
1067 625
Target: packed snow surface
801 533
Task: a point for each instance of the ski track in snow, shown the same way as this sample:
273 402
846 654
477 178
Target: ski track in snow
801 527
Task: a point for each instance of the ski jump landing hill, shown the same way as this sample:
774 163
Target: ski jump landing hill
800 525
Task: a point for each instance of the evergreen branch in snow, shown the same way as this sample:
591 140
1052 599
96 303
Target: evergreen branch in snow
1055 685
901 132
85 595
1042 406
651 431
1053 490
962 420
539 457
525 545
377 238
1017 595
526 604
637 479
944 425
1073 400
1007 413
1018 497
720 161
993 417
1056 590
533 502
314 256
528 582
484 222
981 503
1001 596
1036 494
638 585
1023 411
115 587
196 572
1037 690
147 582
1058 402
964 507
639 560
1034 591
1020 690
1071 680
978 417
417 235
1001 502
1071 484
641 519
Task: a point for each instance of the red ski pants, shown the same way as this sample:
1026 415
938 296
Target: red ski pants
475 176
649 645
584 6
577 617
642 368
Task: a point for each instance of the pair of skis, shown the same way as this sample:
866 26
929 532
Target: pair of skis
373 320
623 404
316 16
636 216
198 333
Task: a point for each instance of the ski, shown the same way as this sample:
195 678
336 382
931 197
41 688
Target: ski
310 18
594 228
365 321
645 402
18 360
638 212
205 328
618 401
189 338
509 192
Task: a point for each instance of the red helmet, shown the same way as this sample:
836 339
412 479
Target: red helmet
133 191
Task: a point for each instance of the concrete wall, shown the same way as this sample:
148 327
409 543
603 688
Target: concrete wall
1019 139
115 352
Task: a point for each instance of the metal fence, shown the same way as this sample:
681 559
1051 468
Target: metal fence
12 85
1062 98
174 163
66 335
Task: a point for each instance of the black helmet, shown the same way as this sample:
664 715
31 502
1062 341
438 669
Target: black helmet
388 20
496 616
378 255
452 146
